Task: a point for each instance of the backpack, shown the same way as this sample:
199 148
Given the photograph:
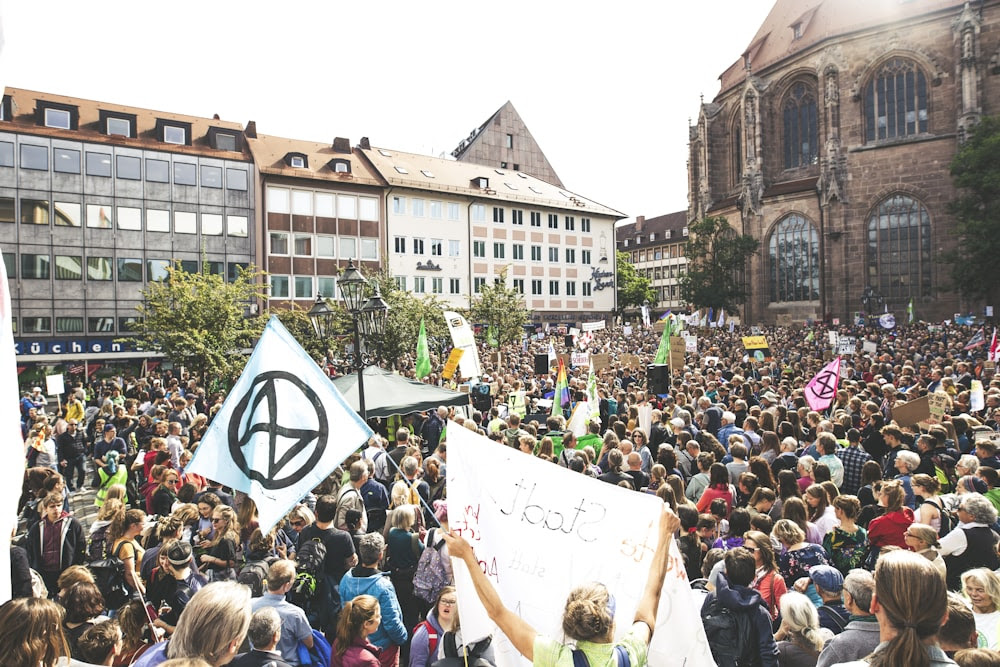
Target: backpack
253 575
98 546
433 571
309 572
944 471
109 576
473 653
621 657
945 517
432 636
731 636
317 656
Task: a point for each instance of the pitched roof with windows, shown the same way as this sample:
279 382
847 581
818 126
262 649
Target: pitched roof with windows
90 124
669 228
461 178
795 25
271 153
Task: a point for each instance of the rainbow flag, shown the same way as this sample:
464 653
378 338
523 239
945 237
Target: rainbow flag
561 399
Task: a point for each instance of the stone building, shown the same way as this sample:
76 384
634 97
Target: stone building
504 142
830 141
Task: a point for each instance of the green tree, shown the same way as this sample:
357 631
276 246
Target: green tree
200 321
975 170
398 346
633 289
502 309
716 265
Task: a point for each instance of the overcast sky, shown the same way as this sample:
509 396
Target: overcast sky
606 88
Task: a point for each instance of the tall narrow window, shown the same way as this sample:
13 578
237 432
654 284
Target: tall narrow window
793 255
800 132
895 101
899 248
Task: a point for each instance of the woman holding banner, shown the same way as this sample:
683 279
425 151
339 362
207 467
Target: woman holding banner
589 615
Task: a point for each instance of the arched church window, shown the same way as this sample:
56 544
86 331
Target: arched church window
736 139
800 125
895 101
899 248
793 260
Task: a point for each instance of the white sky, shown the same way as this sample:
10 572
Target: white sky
606 88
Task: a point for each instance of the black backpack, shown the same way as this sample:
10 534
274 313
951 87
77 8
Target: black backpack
309 572
253 575
731 636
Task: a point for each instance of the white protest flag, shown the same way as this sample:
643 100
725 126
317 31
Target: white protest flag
539 531
12 461
463 338
282 430
977 399
577 423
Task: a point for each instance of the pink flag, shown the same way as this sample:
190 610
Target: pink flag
12 458
994 350
822 389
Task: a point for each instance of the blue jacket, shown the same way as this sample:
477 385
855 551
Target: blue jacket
365 581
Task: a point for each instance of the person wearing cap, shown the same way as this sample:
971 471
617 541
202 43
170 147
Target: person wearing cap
179 587
829 584
72 451
861 635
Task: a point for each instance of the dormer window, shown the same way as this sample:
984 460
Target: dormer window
797 31
652 237
118 124
481 182
626 243
223 140
59 116
173 132
340 166
297 160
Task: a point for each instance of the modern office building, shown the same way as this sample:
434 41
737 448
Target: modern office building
96 200
454 226
830 141
655 247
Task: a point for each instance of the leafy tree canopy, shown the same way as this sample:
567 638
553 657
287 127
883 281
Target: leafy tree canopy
633 289
975 170
200 321
716 265
502 309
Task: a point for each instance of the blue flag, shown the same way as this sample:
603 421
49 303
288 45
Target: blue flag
282 430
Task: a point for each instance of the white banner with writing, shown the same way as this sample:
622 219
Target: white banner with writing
593 326
539 530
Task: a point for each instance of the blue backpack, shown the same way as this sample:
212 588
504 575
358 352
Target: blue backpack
317 656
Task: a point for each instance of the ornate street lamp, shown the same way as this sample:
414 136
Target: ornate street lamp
367 317
321 316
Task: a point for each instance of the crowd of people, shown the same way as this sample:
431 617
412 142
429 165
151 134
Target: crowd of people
809 537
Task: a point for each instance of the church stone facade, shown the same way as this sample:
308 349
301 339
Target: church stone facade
830 141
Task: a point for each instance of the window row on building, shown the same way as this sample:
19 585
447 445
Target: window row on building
322 204
104 215
73 324
432 285
418 207
517 251
898 261
537 286
322 246
98 268
403 245
478 214
100 164
673 251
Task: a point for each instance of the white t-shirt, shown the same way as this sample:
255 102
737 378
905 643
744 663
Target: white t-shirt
988 628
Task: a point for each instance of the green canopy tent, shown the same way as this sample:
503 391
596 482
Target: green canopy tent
389 394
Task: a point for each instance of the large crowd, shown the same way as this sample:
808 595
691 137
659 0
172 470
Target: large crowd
809 537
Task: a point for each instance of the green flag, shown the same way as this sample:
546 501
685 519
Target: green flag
491 336
663 351
423 354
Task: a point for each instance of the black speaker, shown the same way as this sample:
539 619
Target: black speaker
659 378
568 341
541 364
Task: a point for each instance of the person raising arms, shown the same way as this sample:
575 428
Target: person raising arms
588 617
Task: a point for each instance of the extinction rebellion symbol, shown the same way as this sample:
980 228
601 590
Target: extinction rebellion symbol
257 413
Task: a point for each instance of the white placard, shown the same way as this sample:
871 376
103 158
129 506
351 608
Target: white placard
627 330
645 417
691 344
847 345
832 335
869 347
573 331
593 326
539 531
54 385
579 359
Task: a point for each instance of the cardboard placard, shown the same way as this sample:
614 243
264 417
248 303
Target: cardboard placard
600 361
677 356
659 326
452 364
784 320
630 361
939 403
566 359
910 413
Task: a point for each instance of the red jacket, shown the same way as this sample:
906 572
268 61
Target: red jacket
888 529
713 492
361 653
